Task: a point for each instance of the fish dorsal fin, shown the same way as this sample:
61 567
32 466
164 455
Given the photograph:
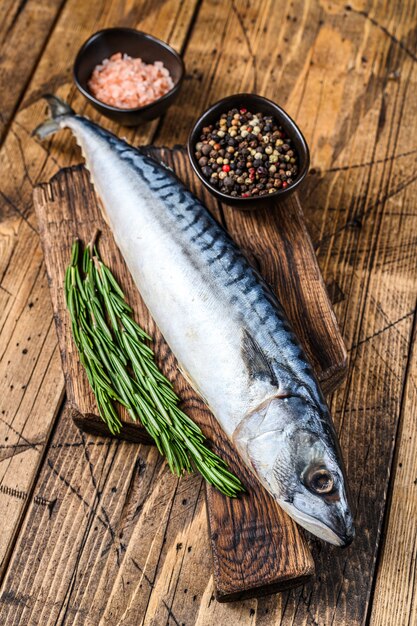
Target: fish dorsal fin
166 166
257 362
146 151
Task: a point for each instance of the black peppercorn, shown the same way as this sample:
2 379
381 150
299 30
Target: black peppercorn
206 171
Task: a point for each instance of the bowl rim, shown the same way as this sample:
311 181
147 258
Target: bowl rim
110 107
250 199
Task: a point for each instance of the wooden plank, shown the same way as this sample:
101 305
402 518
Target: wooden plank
344 75
394 600
277 263
24 26
115 511
368 246
31 386
23 162
66 208
347 77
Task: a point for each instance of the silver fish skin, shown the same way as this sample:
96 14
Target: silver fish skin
226 328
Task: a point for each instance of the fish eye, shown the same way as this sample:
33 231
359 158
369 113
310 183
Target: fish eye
319 480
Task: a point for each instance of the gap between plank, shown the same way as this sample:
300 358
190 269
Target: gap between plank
393 470
31 491
182 52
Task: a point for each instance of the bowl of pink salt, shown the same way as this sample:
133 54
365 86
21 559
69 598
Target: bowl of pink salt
129 76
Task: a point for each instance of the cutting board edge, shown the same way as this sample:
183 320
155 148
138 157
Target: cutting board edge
267 589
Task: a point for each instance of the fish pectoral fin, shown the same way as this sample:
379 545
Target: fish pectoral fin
257 362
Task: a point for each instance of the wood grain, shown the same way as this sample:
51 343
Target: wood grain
394 599
252 533
241 530
67 210
25 310
347 73
23 26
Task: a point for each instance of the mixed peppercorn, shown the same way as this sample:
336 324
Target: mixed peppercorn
245 154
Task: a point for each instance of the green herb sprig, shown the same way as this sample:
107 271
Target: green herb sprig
121 369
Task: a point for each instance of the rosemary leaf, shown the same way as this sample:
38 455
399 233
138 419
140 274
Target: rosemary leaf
121 370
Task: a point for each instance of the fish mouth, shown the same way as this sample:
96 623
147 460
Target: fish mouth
329 534
342 540
325 532
317 527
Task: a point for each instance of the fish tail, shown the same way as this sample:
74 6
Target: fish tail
59 110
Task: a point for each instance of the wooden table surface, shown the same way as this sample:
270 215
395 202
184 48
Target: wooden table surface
97 532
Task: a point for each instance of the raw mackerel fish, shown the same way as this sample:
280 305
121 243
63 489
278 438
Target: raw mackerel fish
224 325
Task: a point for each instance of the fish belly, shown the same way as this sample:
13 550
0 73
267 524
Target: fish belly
167 240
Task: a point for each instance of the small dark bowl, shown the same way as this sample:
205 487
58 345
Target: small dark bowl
255 104
106 42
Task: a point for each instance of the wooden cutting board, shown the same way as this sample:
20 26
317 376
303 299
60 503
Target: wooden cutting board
257 548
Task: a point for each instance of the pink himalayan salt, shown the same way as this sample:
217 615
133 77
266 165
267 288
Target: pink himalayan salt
128 83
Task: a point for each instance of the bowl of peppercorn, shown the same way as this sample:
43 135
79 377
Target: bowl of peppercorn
248 152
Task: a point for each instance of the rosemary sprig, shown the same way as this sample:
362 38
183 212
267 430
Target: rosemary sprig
121 369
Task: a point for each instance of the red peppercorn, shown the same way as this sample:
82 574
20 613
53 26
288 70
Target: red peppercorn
284 184
244 195
243 111
226 168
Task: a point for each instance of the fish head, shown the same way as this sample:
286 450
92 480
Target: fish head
295 454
